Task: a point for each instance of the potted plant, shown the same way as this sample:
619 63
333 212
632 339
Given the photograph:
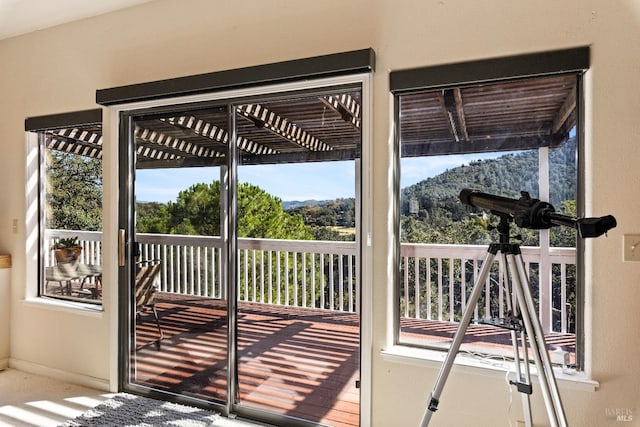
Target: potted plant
67 250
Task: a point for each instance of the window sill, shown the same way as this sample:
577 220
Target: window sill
62 305
481 366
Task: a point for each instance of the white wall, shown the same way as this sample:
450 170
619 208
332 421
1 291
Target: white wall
59 69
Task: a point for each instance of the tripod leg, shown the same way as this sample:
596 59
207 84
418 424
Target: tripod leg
548 384
434 398
511 307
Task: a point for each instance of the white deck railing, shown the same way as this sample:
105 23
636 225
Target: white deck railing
453 271
298 273
323 274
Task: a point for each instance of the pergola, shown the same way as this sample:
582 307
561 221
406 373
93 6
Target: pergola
504 116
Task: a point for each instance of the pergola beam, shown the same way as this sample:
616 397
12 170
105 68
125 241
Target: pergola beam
71 146
81 135
76 141
565 111
346 106
261 116
453 110
215 133
175 144
457 95
495 143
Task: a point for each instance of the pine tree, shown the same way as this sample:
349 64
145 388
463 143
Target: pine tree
74 192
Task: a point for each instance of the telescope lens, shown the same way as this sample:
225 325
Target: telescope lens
465 196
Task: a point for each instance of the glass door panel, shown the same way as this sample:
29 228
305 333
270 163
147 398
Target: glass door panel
298 332
179 298
247 227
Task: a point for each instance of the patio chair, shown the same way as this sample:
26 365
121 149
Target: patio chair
145 291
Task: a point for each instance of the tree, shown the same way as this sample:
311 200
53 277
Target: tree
564 236
261 215
196 211
153 217
74 192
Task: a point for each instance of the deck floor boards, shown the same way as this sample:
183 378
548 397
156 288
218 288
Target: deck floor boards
295 362
292 361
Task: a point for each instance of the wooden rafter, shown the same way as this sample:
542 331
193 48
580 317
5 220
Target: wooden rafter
565 111
76 141
282 127
453 109
174 144
346 106
215 133
69 146
506 143
444 97
80 135
457 94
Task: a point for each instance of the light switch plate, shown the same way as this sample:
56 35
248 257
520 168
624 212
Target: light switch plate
631 244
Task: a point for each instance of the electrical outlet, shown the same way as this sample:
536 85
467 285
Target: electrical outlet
520 423
14 226
631 245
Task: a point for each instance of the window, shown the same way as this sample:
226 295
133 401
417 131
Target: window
506 127
69 176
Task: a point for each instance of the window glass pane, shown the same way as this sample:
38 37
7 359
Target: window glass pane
501 139
298 287
71 213
180 303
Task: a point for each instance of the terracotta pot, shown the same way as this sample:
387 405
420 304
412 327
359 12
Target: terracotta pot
67 255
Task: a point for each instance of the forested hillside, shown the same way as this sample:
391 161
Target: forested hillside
508 175
329 219
431 210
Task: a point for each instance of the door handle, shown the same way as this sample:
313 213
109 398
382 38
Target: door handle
121 244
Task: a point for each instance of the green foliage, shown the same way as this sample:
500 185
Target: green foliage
196 211
261 215
441 218
338 212
153 217
323 218
329 233
74 192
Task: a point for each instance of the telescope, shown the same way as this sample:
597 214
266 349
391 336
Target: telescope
534 214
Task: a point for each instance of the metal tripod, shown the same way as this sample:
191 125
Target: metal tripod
522 319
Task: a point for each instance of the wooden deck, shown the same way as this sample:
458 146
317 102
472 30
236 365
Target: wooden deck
296 362
479 339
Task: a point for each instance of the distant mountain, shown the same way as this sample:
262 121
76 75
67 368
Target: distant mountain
506 176
292 204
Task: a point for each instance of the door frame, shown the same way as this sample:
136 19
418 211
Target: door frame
121 192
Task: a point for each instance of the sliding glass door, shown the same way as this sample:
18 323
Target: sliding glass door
240 228
298 283
178 294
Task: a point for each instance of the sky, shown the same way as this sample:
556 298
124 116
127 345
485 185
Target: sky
299 181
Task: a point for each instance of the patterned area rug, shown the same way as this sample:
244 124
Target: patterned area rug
137 411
